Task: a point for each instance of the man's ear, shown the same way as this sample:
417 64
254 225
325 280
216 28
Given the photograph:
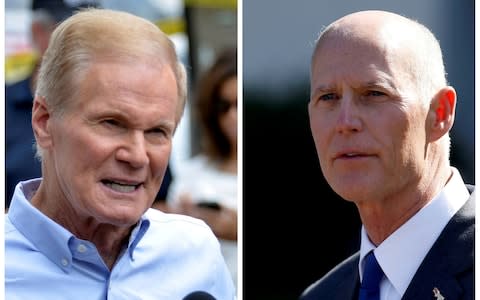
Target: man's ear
442 113
41 120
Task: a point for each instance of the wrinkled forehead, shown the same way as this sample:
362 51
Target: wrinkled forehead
359 59
347 50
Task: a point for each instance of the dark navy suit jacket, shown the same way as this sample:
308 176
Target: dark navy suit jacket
20 161
448 266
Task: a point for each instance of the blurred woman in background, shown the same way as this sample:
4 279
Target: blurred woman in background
206 185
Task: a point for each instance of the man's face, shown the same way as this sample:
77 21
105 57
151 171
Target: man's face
111 148
367 119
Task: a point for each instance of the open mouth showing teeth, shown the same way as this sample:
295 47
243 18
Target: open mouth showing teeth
120 187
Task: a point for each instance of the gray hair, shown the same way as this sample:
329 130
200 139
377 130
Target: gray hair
101 34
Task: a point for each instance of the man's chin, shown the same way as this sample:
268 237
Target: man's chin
353 192
123 217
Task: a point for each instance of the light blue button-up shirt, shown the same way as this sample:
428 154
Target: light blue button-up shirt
168 256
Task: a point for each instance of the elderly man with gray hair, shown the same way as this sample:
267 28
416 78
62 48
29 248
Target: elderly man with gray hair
110 94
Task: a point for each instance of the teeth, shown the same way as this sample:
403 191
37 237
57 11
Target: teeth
122 188
350 154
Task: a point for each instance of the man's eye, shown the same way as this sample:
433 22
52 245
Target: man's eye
375 93
158 133
111 122
327 97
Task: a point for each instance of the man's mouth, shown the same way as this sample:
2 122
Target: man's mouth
351 154
120 186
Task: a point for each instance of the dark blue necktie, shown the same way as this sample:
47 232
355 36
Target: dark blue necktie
372 274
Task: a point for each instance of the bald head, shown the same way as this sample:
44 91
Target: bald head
395 37
370 22
379 94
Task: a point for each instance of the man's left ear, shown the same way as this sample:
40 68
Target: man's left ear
442 112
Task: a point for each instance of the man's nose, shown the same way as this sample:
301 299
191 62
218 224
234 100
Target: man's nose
349 115
134 150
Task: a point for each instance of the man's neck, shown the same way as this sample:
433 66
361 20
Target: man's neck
383 217
109 239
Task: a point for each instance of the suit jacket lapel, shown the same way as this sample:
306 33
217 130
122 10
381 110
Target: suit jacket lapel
341 283
451 255
348 289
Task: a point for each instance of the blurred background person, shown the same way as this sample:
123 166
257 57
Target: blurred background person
205 186
20 162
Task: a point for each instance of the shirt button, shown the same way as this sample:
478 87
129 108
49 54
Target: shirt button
82 248
64 262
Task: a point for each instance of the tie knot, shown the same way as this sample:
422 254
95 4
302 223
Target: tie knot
372 274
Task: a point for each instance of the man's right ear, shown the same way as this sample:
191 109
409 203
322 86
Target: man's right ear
41 122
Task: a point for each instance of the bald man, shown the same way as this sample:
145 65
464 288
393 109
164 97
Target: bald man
380 114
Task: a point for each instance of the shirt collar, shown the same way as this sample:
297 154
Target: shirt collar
50 238
47 236
137 234
402 252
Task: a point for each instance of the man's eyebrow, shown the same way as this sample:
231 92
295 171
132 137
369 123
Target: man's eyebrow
381 79
381 83
123 116
170 125
322 88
